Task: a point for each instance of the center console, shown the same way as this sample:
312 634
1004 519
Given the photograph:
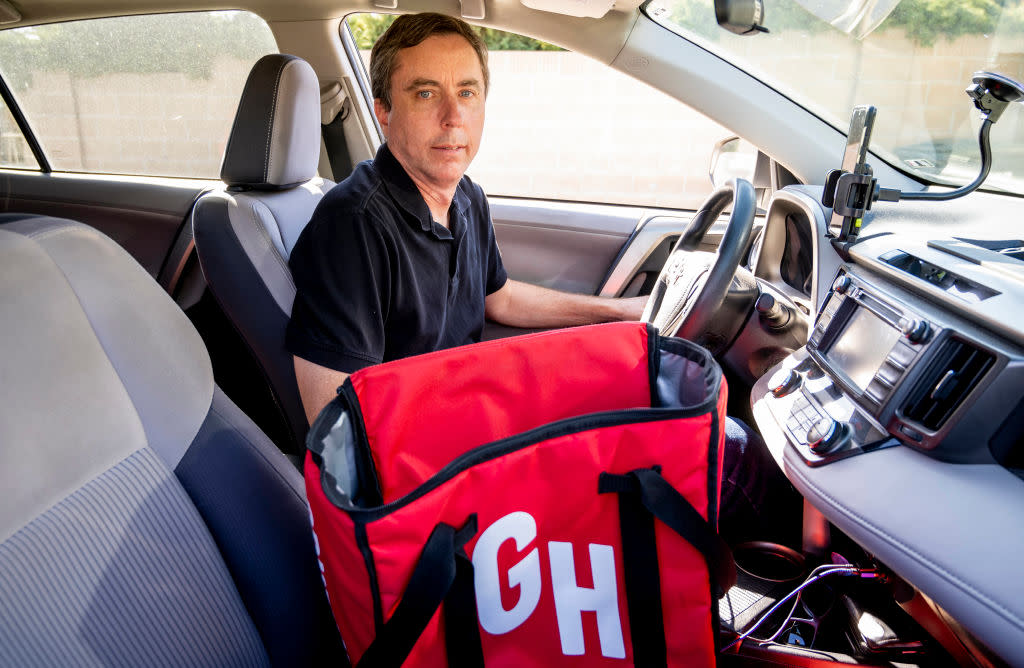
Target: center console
882 367
875 372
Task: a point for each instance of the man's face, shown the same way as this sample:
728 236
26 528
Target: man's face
437 110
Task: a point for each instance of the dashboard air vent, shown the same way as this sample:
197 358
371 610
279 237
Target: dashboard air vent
954 371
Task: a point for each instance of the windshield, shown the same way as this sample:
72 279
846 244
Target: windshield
913 66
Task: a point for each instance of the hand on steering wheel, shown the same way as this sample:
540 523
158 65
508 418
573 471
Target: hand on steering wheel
693 283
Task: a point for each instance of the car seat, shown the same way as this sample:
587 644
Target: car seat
244 233
146 520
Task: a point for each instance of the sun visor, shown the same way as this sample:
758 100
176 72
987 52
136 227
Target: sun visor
594 9
9 13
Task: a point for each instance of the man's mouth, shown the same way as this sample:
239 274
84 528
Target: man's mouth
449 147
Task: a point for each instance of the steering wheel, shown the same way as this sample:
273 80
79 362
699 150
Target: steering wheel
692 284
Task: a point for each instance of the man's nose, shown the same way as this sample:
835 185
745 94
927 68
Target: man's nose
452 113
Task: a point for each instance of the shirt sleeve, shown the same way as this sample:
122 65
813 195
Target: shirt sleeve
342 275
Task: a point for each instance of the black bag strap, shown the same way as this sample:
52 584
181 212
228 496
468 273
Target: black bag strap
442 573
644 495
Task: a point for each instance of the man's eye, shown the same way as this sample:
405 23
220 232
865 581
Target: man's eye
467 93
425 94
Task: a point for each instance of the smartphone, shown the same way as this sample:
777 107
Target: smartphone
861 123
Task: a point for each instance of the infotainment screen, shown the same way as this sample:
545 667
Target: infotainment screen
862 346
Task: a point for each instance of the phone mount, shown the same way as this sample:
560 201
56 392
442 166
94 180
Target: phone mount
851 194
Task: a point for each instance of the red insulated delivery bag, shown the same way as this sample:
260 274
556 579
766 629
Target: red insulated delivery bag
548 499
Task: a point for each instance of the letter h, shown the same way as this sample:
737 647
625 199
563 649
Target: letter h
571 600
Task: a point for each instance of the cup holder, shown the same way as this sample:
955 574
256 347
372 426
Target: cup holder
769 561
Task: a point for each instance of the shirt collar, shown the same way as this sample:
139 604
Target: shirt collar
405 192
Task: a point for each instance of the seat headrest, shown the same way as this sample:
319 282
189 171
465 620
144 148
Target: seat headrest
275 140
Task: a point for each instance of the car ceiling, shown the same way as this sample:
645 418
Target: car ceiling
601 39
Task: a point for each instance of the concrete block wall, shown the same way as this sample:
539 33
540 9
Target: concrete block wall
559 125
165 124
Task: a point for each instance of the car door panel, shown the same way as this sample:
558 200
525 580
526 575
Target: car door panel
584 248
145 216
561 245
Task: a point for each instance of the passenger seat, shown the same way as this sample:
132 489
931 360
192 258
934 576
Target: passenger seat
145 520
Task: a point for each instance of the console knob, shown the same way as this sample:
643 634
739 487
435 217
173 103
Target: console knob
826 435
916 331
842 284
785 381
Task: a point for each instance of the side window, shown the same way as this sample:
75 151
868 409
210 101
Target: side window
144 95
14 149
565 127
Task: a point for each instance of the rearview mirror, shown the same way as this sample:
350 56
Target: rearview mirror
743 17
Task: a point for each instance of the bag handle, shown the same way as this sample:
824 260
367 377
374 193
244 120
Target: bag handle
442 573
643 496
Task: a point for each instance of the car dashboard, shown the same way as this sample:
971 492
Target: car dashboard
901 420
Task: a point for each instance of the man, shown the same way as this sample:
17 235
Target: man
400 258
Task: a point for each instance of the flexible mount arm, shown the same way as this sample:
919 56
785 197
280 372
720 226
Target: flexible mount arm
986 166
991 94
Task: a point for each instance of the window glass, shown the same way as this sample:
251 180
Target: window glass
911 59
14 150
149 95
565 127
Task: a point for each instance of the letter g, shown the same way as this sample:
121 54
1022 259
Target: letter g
494 618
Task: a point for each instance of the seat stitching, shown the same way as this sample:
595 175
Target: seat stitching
270 124
269 242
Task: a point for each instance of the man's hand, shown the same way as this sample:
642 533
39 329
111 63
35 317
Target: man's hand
518 304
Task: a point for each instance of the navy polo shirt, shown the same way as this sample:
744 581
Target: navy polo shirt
377 279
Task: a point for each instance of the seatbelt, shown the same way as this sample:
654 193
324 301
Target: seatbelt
334 109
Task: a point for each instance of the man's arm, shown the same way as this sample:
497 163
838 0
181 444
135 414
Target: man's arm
519 304
317 385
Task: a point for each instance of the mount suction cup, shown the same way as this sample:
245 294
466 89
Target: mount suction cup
991 93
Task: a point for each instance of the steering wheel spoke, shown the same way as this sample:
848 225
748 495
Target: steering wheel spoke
692 284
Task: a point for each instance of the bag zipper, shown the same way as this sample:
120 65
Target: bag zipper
511 444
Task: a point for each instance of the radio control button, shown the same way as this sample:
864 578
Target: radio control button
784 381
842 284
877 391
889 373
915 330
881 381
827 435
902 354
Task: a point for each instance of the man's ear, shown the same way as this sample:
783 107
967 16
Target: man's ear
382 115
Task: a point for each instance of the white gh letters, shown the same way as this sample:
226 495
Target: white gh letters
570 599
494 618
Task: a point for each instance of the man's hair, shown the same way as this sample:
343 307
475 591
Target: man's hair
409 30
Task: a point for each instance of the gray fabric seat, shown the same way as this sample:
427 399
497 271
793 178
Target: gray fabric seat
244 233
145 520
